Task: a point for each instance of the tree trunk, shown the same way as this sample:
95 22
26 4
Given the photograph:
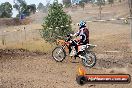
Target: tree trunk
100 11
130 7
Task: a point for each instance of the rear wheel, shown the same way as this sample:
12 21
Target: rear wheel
59 54
90 60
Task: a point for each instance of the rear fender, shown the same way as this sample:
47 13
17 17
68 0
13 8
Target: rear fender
90 46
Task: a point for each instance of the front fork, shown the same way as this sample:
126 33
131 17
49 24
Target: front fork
63 48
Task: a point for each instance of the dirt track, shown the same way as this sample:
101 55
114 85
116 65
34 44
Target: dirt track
24 69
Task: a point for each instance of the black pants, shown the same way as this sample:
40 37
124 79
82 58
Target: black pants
74 43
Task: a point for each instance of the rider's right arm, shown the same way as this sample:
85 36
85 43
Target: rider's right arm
75 34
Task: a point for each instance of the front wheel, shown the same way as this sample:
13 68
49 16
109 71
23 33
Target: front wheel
59 54
90 59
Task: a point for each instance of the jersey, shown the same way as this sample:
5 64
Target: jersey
84 35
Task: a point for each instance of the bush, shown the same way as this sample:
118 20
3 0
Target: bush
57 23
5 10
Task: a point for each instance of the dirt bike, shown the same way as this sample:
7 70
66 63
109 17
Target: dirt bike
60 52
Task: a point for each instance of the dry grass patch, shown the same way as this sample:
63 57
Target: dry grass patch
39 45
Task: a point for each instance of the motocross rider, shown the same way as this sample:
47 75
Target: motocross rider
83 33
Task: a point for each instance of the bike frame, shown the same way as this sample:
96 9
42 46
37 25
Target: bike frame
63 44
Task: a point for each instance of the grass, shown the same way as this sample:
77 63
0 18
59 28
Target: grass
33 42
39 45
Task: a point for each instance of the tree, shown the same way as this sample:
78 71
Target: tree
5 10
66 1
57 23
111 2
22 8
120 1
82 4
86 1
100 3
32 8
42 8
130 8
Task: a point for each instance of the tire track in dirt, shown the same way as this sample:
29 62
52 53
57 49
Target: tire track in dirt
38 70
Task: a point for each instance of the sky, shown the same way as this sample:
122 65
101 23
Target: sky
28 2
